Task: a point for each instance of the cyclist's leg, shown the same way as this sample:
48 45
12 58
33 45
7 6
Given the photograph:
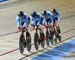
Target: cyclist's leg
58 31
55 31
51 33
58 27
25 30
42 37
42 33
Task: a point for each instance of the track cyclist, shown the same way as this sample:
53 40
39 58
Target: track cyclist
56 21
22 21
37 17
49 23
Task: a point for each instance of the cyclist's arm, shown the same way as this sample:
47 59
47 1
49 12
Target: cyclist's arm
32 21
51 22
38 23
58 16
44 21
18 21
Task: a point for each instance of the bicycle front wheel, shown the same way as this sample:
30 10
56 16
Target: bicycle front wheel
36 41
28 38
47 38
21 44
42 38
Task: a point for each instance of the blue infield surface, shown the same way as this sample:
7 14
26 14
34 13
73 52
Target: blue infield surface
58 52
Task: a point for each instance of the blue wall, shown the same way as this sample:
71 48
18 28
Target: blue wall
3 0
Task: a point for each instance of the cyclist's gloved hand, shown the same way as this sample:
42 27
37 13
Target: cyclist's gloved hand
19 29
24 28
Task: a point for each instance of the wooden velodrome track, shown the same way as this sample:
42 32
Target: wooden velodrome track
8 11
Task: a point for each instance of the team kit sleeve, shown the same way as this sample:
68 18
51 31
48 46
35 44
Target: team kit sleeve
51 21
31 20
59 17
44 21
18 21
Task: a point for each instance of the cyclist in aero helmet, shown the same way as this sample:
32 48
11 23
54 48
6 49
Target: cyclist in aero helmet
22 20
56 18
56 21
48 16
49 19
49 22
36 20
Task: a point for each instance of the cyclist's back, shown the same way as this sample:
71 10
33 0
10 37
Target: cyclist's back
56 15
48 16
22 20
35 18
56 19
